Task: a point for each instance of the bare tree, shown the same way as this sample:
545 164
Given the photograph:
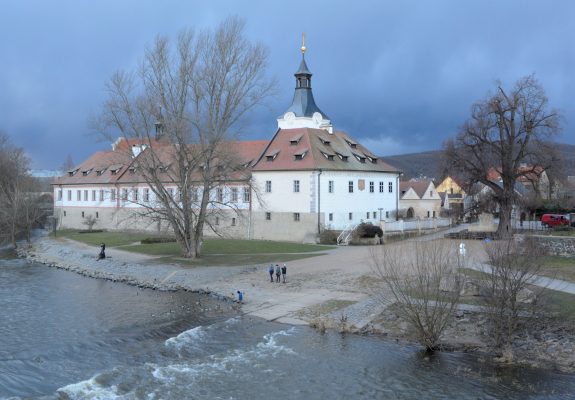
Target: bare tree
424 281
512 269
181 105
508 131
19 206
90 221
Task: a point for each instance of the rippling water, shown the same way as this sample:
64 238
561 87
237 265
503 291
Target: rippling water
64 336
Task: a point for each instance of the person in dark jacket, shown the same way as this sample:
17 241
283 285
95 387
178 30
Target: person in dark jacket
271 272
278 273
102 254
284 272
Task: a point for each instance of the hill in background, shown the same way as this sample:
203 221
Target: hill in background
427 164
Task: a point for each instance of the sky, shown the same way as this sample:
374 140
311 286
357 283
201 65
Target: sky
398 76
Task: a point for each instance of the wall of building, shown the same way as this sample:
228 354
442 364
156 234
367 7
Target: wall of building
363 204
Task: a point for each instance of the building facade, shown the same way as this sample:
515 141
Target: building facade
307 178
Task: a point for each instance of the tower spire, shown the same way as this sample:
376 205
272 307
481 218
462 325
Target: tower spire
303 48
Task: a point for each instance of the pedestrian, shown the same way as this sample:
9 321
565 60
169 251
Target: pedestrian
102 254
241 296
284 272
278 273
271 272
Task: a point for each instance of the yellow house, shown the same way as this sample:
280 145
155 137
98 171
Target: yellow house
452 196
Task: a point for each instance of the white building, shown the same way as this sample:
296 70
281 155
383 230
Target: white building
308 177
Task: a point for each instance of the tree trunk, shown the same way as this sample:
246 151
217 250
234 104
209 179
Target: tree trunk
505 230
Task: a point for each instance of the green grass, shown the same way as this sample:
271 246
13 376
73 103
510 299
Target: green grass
112 239
559 267
563 304
214 252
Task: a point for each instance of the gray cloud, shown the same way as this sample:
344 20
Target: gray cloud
398 76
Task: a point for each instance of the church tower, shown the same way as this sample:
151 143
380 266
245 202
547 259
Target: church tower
303 112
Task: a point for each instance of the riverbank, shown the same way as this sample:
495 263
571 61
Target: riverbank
334 291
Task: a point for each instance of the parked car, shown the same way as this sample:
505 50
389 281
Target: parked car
551 220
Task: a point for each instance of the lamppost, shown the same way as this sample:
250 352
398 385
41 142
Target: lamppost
380 209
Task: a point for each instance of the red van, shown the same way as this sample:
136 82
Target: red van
550 220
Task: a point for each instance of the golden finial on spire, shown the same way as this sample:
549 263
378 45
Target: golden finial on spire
303 43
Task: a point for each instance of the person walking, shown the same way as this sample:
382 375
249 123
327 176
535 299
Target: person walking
271 272
278 273
240 296
284 272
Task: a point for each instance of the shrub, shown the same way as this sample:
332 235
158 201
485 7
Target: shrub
367 230
328 236
158 239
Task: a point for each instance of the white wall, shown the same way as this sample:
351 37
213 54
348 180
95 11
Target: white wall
339 203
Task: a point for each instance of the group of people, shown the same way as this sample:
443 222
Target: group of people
278 271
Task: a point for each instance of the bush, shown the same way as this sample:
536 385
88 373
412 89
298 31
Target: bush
367 230
328 236
158 239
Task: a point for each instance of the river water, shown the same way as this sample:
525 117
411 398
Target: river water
64 336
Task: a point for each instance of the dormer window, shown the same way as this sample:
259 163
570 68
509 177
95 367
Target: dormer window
86 172
351 144
359 158
342 157
272 156
324 141
294 141
73 172
132 170
371 159
115 170
330 157
99 172
300 155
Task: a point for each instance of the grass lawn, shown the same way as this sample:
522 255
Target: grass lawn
563 304
559 267
112 239
215 251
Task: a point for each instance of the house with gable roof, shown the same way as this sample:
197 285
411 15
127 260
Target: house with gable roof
308 177
419 199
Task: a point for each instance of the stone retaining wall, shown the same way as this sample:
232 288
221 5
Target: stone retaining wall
555 245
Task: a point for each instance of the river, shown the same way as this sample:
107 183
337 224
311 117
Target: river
64 336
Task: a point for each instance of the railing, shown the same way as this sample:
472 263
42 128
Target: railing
415 224
345 236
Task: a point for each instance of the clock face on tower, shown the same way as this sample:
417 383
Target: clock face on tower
317 117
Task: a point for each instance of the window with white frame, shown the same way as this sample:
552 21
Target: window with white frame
246 194
296 217
367 215
371 187
268 186
93 195
330 217
69 195
195 195
387 214
234 195
101 194
113 195
146 195
296 186
124 194
268 216
170 193
381 187
350 186
220 194
374 215
79 195
330 186
390 187
85 195
135 194
59 194
350 216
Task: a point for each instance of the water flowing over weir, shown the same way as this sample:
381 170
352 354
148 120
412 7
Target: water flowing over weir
64 336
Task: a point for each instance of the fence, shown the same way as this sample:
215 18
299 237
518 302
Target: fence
415 224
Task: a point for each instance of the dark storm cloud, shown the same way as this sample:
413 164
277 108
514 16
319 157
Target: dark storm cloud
400 76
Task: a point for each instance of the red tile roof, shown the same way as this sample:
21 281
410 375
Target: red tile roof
419 186
313 149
